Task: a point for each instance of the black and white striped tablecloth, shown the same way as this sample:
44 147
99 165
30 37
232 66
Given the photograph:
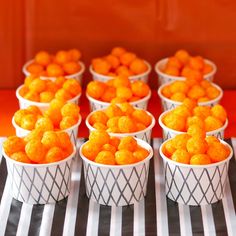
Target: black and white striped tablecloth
156 215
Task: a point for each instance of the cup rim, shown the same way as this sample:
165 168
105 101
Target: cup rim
16 126
209 133
199 103
40 104
40 165
27 73
91 128
164 61
139 141
165 158
105 104
133 77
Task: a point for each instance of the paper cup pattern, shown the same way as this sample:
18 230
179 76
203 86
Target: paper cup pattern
99 105
117 185
24 103
144 135
165 78
39 183
168 104
171 133
104 78
195 185
77 76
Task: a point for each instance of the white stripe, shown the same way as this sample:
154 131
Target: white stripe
161 205
139 219
208 220
229 210
71 208
116 221
5 207
185 220
46 224
93 219
24 222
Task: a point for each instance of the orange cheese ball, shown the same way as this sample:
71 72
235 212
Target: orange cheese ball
118 51
54 154
32 96
43 58
112 123
34 134
195 120
23 91
180 141
124 93
13 144
101 66
28 80
28 121
113 110
99 126
126 108
67 122
196 131
113 61
109 147
200 159
18 115
128 143
202 111
60 81
140 89
126 125
212 123
125 157
196 92
141 153
138 66
62 57
211 139
46 96
65 142
196 63
171 70
74 54
37 85
196 145
54 70
168 148
63 94
50 139
127 58
212 92
217 152
21 157
54 115
174 121
181 155
98 117
207 69
96 89
99 137
106 158
166 91
72 86
34 110
35 69
174 62
142 117
90 150
114 141
179 97
70 109
120 81
71 67
183 56
189 103
182 111
108 94
219 112
179 86
35 150
56 104
44 123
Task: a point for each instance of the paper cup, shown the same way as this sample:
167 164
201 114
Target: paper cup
117 185
195 184
98 105
77 76
104 78
168 104
72 131
43 106
165 78
39 183
144 135
171 133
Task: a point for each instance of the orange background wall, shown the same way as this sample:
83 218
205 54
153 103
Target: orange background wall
153 29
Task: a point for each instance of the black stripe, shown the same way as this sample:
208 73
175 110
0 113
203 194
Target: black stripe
150 203
82 208
3 176
59 217
219 218
173 217
196 220
232 176
127 220
104 220
13 218
36 219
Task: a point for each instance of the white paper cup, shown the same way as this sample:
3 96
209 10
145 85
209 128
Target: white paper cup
117 185
104 78
165 78
43 106
72 131
171 133
168 104
144 135
98 105
39 183
77 76
195 184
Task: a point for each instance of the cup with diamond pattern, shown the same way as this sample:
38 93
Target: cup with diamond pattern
39 183
195 184
117 185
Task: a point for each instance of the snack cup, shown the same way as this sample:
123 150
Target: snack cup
144 135
168 104
171 133
104 78
117 185
43 106
77 76
39 183
98 105
165 78
195 184
72 131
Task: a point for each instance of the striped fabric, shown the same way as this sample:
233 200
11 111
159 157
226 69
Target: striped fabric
156 215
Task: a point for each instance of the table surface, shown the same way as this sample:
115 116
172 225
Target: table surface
155 215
